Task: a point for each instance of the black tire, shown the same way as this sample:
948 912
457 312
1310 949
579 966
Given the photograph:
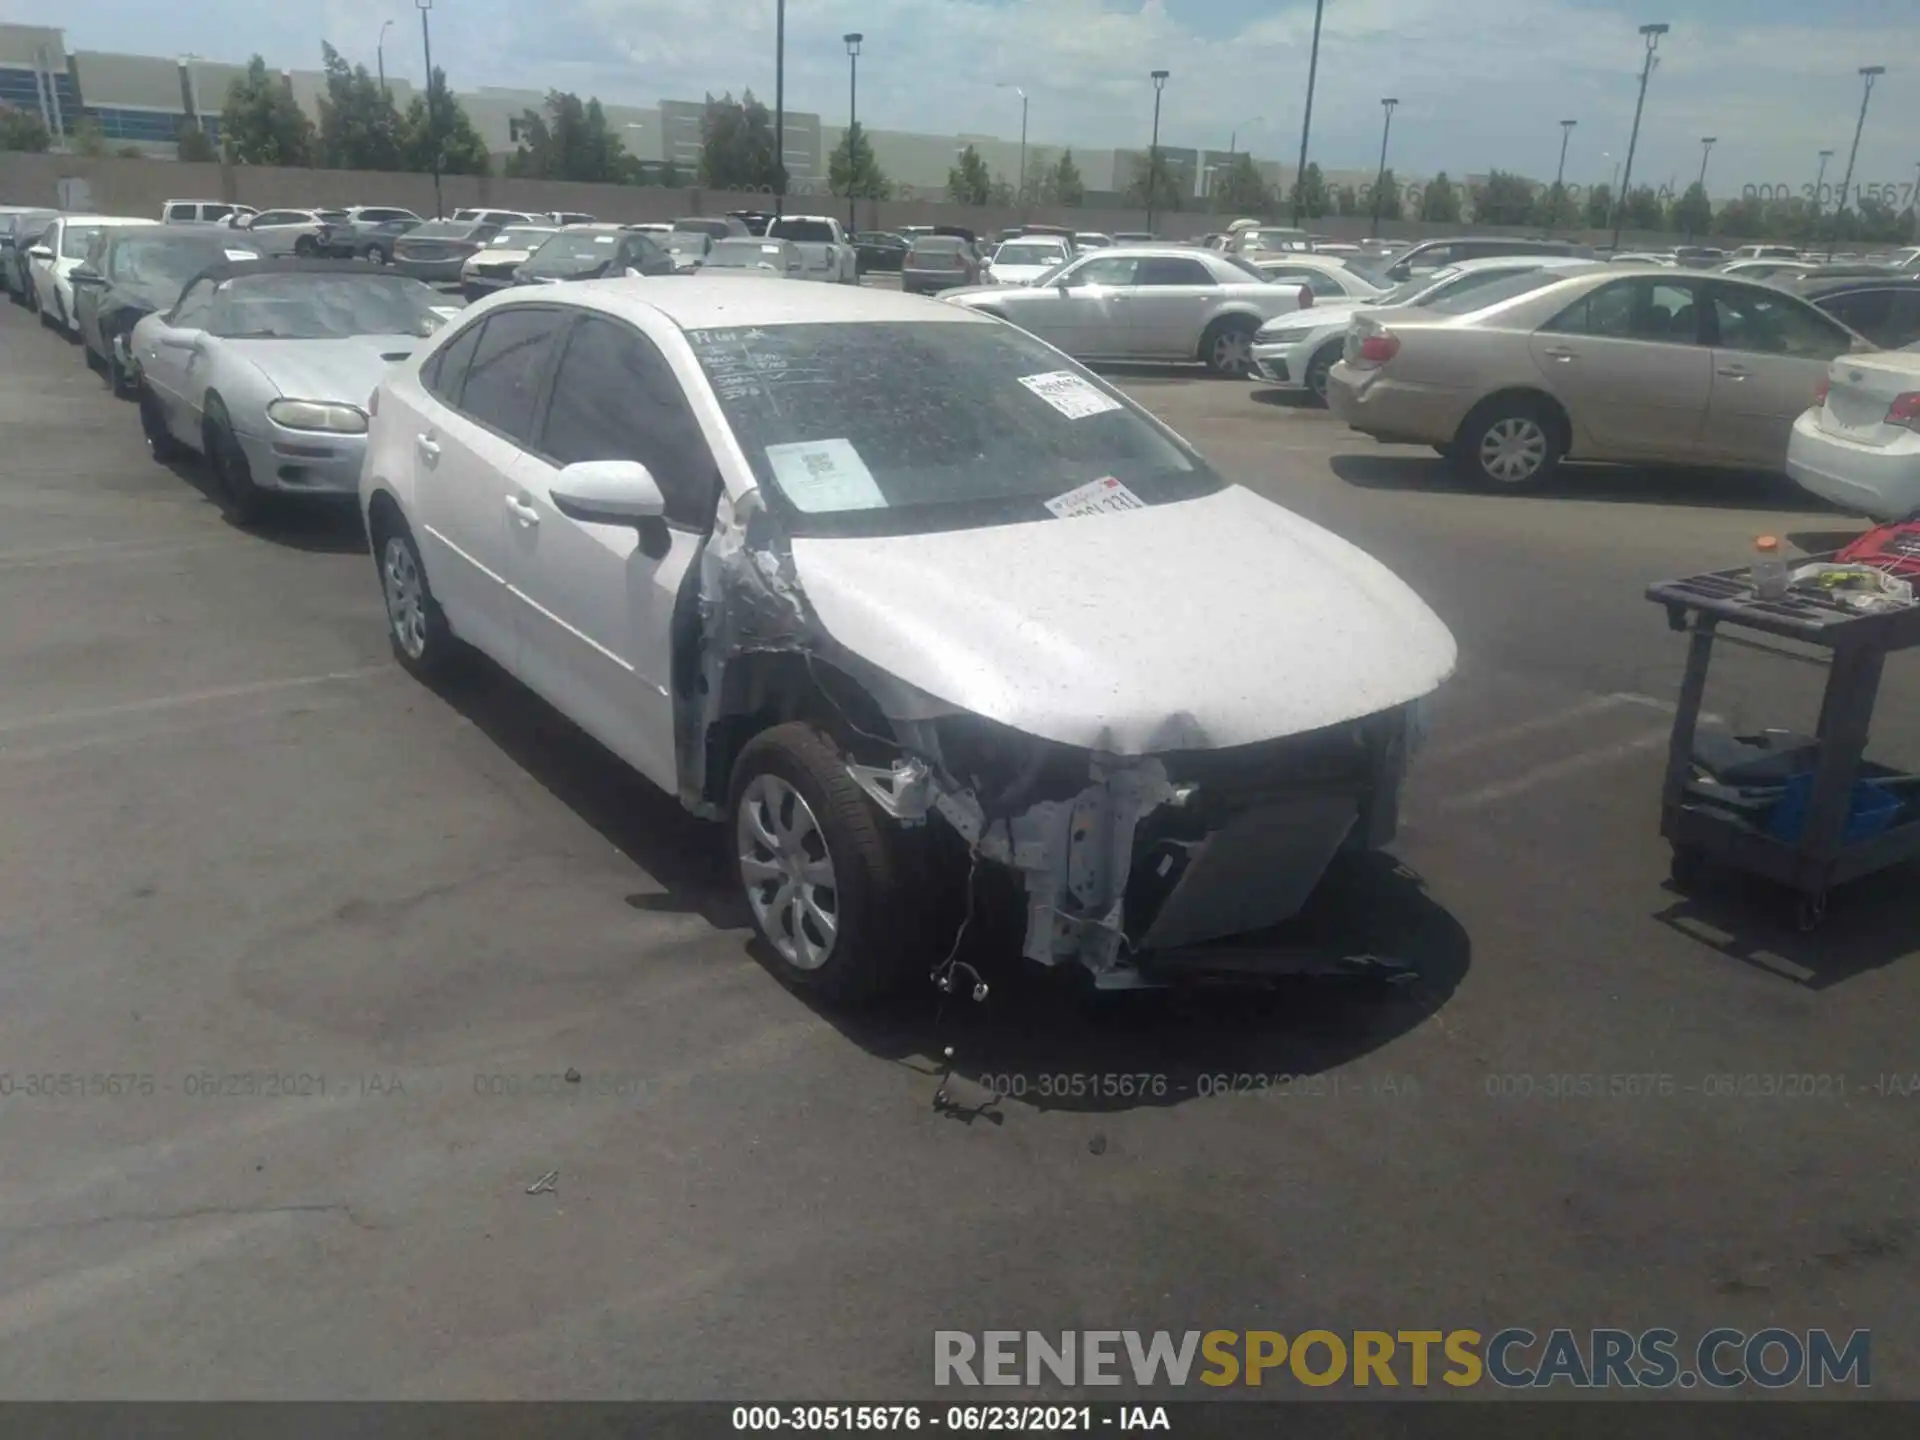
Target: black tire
160 442
306 247
1227 347
377 255
1511 443
417 628
1687 867
1317 369
241 500
874 947
94 362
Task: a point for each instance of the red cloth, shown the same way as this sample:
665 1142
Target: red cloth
1892 548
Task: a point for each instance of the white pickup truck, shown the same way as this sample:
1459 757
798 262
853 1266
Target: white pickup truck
822 245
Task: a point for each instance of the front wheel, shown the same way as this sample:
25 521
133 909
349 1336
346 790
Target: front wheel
377 255
153 424
1318 368
821 873
1510 444
1227 348
240 498
423 642
306 247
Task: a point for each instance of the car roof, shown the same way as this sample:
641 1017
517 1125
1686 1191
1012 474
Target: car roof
229 269
108 219
778 218
694 303
1817 284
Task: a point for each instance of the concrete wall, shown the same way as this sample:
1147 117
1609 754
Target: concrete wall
140 187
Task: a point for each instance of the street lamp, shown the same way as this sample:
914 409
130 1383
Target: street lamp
1559 191
853 39
1868 73
433 105
1009 85
780 108
1652 34
1380 180
1233 149
1306 121
193 87
1707 142
1153 155
380 56
1819 189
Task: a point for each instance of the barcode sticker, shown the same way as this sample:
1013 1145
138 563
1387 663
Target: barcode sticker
1069 394
1096 497
820 476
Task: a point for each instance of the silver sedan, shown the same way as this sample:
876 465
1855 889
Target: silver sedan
1140 302
266 368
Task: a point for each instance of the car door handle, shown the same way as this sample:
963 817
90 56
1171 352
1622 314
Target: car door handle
428 448
522 511
1565 357
1733 372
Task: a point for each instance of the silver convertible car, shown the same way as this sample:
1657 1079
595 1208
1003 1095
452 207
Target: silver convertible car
266 369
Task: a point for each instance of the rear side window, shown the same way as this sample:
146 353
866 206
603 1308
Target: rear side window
503 379
616 398
446 372
1467 297
1173 270
180 212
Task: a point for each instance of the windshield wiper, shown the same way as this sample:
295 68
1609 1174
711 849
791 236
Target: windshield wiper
261 335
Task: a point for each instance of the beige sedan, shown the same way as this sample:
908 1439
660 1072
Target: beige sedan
1646 364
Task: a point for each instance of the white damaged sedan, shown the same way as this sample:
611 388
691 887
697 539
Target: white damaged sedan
900 595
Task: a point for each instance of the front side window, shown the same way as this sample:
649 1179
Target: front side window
1774 323
76 239
503 379
1642 309
1105 270
192 309
616 398
905 428
446 373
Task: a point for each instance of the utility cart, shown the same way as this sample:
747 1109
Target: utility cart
1809 812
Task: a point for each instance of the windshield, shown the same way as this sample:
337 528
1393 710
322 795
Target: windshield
73 244
570 249
681 243
805 232
909 428
718 229
521 237
1374 275
166 260
1425 284
1016 253
1477 293
321 307
743 254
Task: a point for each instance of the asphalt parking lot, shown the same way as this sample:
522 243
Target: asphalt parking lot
242 853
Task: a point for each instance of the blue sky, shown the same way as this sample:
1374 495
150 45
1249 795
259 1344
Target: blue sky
1482 83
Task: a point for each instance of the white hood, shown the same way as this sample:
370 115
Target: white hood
1207 623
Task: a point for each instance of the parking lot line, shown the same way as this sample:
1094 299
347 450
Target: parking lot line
1556 770
41 559
192 697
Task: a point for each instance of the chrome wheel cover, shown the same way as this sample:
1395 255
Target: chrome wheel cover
1513 450
406 597
1233 351
787 871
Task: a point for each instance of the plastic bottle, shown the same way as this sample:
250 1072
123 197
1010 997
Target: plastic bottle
1769 569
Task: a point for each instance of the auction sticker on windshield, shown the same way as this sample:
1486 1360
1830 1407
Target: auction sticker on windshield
1096 497
820 476
241 255
1069 394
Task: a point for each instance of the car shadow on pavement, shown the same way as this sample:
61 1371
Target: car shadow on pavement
319 524
1628 484
1286 399
1869 925
1046 1039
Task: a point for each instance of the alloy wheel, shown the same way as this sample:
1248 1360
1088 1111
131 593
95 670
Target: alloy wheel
406 599
1513 450
788 872
1232 352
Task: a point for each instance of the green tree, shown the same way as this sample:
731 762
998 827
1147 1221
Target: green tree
1309 198
359 128
1692 213
1063 182
1240 189
736 145
1642 210
569 139
1002 193
23 130
968 182
670 176
853 170
1600 207
1742 219
262 124
193 146
1505 199
1152 186
462 151
1389 191
1439 201
1346 200
88 138
1553 208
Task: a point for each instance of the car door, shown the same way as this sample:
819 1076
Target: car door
1771 351
1086 311
596 603
40 271
1629 362
477 418
163 366
86 297
1172 297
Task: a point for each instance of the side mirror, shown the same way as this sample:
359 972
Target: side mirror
607 492
182 339
39 252
85 275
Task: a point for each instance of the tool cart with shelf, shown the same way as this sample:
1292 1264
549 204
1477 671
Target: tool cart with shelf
1719 805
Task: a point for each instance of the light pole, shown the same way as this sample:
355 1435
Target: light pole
1233 150
853 39
1652 34
1380 180
1707 142
1868 73
1306 120
1819 189
780 108
193 88
433 105
1559 191
380 57
1153 155
1009 85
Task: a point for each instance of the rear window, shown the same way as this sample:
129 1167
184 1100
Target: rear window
805 232
937 244
443 230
